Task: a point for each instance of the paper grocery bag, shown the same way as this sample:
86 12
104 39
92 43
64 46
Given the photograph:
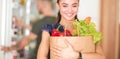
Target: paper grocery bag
83 44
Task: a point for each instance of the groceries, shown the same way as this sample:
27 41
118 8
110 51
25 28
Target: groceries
81 28
82 38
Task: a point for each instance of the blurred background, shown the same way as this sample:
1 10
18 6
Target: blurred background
105 13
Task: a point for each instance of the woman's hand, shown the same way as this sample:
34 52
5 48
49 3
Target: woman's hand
65 53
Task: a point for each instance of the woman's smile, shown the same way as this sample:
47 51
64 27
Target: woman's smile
69 14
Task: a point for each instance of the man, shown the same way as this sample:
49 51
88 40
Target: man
45 8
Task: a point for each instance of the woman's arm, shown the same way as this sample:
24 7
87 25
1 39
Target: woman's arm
44 46
70 53
65 53
99 54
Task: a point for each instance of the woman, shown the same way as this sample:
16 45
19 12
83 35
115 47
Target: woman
67 14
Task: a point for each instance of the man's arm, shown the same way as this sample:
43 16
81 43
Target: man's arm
19 22
25 41
20 44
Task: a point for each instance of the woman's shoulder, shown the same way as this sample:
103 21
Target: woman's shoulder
50 27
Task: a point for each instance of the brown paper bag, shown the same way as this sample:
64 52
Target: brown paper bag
83 44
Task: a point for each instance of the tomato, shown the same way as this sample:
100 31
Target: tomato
55 32
68 33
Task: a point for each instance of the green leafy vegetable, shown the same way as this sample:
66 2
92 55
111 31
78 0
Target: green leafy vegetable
87 29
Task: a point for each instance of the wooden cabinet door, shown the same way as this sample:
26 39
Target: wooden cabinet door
109 27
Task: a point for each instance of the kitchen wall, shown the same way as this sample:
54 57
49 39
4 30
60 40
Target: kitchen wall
90 8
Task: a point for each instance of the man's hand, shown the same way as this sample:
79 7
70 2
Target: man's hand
5 49
18 22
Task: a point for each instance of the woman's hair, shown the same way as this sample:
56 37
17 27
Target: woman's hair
59 15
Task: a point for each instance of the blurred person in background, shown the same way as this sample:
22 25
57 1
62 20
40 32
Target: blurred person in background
45 8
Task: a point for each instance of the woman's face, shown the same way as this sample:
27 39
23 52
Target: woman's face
68 9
